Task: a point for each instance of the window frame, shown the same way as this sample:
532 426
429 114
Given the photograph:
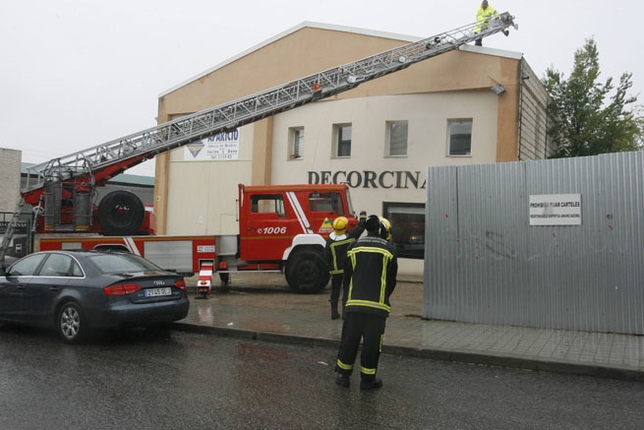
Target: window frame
295 143
451 151
339 142
390 126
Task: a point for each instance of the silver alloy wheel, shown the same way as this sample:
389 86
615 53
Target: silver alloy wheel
69 321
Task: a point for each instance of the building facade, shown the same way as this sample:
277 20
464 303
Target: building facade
474 105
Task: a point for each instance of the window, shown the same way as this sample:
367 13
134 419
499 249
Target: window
460 137
295 142
397 138
407 228
342 140
122 263
27 266
326 202
57 265
268 203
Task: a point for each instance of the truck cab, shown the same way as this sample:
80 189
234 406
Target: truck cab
285 227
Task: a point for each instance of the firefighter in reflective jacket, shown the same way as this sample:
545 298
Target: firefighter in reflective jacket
484 13
370 275
336 253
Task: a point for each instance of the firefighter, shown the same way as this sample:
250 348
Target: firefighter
483 15
335 253
370 276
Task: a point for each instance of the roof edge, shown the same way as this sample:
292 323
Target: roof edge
492 51
304 24
312 24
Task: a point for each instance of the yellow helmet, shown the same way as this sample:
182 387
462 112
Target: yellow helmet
385 231
340 225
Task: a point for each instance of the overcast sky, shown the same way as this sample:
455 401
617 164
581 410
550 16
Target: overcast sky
78 73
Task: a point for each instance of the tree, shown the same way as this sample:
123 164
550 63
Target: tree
583 121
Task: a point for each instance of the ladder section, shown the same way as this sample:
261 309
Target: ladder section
100 163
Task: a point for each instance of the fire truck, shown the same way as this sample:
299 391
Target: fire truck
282 228
63 191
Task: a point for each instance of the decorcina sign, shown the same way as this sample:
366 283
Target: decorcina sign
399 179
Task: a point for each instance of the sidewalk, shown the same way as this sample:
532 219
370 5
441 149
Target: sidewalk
270 312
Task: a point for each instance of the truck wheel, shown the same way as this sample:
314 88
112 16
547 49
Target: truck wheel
120 213
307 272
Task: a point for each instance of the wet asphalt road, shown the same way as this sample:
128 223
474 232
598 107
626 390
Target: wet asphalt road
174 380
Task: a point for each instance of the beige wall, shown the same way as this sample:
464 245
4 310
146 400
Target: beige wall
203 194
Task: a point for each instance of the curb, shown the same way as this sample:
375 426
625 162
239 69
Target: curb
464 357
287 339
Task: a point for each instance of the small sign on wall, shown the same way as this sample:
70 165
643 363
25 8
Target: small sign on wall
220 147
555 209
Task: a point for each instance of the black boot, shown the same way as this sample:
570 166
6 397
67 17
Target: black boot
372 384
342 380
334 310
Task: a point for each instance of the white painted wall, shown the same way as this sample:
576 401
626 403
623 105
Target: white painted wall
427 117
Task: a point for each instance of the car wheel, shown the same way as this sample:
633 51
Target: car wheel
71 323
307 272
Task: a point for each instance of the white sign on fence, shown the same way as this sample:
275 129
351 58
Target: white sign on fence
555 209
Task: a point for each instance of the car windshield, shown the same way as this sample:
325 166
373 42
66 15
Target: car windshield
122 263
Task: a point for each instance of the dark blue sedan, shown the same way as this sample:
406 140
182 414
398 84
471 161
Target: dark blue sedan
80 293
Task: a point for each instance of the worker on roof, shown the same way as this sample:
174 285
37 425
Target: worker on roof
483 15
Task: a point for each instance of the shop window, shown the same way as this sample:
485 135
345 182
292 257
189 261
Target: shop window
295 142
407 228
460 137
397 138
342 140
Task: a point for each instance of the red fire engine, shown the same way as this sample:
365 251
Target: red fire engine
282 228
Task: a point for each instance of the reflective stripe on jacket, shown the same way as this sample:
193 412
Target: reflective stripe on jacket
370 275
336 248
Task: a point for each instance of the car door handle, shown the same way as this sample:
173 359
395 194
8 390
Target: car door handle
54 288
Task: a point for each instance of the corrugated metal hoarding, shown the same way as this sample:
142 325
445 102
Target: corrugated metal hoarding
550 243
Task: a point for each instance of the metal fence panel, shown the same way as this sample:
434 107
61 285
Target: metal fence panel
485 263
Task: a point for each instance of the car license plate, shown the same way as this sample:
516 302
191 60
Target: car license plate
156 292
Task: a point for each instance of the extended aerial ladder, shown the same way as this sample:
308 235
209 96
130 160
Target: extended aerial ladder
61 189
